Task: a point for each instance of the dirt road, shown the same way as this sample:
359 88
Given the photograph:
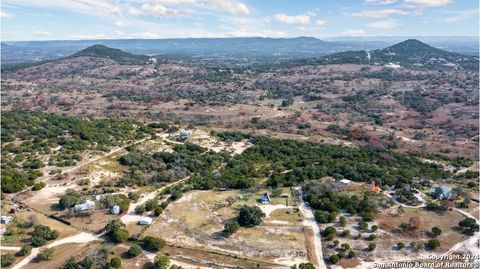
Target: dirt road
309 221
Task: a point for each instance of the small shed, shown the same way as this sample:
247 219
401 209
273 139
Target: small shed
116 210
5 219
265 199
145 221
345 181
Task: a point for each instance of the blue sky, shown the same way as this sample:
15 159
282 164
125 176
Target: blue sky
99 19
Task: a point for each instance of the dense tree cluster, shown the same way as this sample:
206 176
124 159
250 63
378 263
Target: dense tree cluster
41 133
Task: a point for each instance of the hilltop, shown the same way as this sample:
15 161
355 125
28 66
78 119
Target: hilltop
117 55
409 53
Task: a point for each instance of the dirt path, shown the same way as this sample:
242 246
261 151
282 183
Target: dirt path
81 238
309 221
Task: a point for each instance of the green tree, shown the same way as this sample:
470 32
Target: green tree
436 231
134 251
71 263
120 235
372 246
250 216
152 244
330 232
433 244
26 250
161 261
400 245
38 186
343 221
7 260
116 262
334 259
113 225
306 266
230 227
69 199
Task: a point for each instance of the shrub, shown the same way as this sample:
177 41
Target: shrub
113 225
120 235
38 241
329 232
161 261
345 246
374 228
306 266
230 228
134 251
433 244
334 259
26 250
116 262
7 260
325 216
367 216
436 231
158 211
352 254
152 244
45 254
372 246
343 221
400 245
345 233
38 186
140 209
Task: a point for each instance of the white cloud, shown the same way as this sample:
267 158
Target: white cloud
233 7
120 24
385 24
460 16
90 36
320 22
100 8
40 33
382 2
301 19
256 33
156 10
5 15
379 13
427 3
118 32
353 32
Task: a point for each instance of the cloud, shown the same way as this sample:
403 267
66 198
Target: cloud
256 33
460 16
320 22
353 32
235 8
100 8
157 10
381 2
385 24
118 32
302 19
427 3
89 36
42 33
379 13
5 15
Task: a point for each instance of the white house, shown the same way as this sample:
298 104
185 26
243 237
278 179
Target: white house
145 221
85 206
345 181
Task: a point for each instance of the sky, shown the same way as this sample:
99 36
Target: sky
108 19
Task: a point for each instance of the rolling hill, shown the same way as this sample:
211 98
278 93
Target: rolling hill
409 53
117 55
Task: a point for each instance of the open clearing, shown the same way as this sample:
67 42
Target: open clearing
197 219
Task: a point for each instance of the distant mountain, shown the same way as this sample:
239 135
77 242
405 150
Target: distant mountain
117 55
250 47
409 53
99 51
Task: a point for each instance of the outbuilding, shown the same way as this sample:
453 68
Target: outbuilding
145 221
